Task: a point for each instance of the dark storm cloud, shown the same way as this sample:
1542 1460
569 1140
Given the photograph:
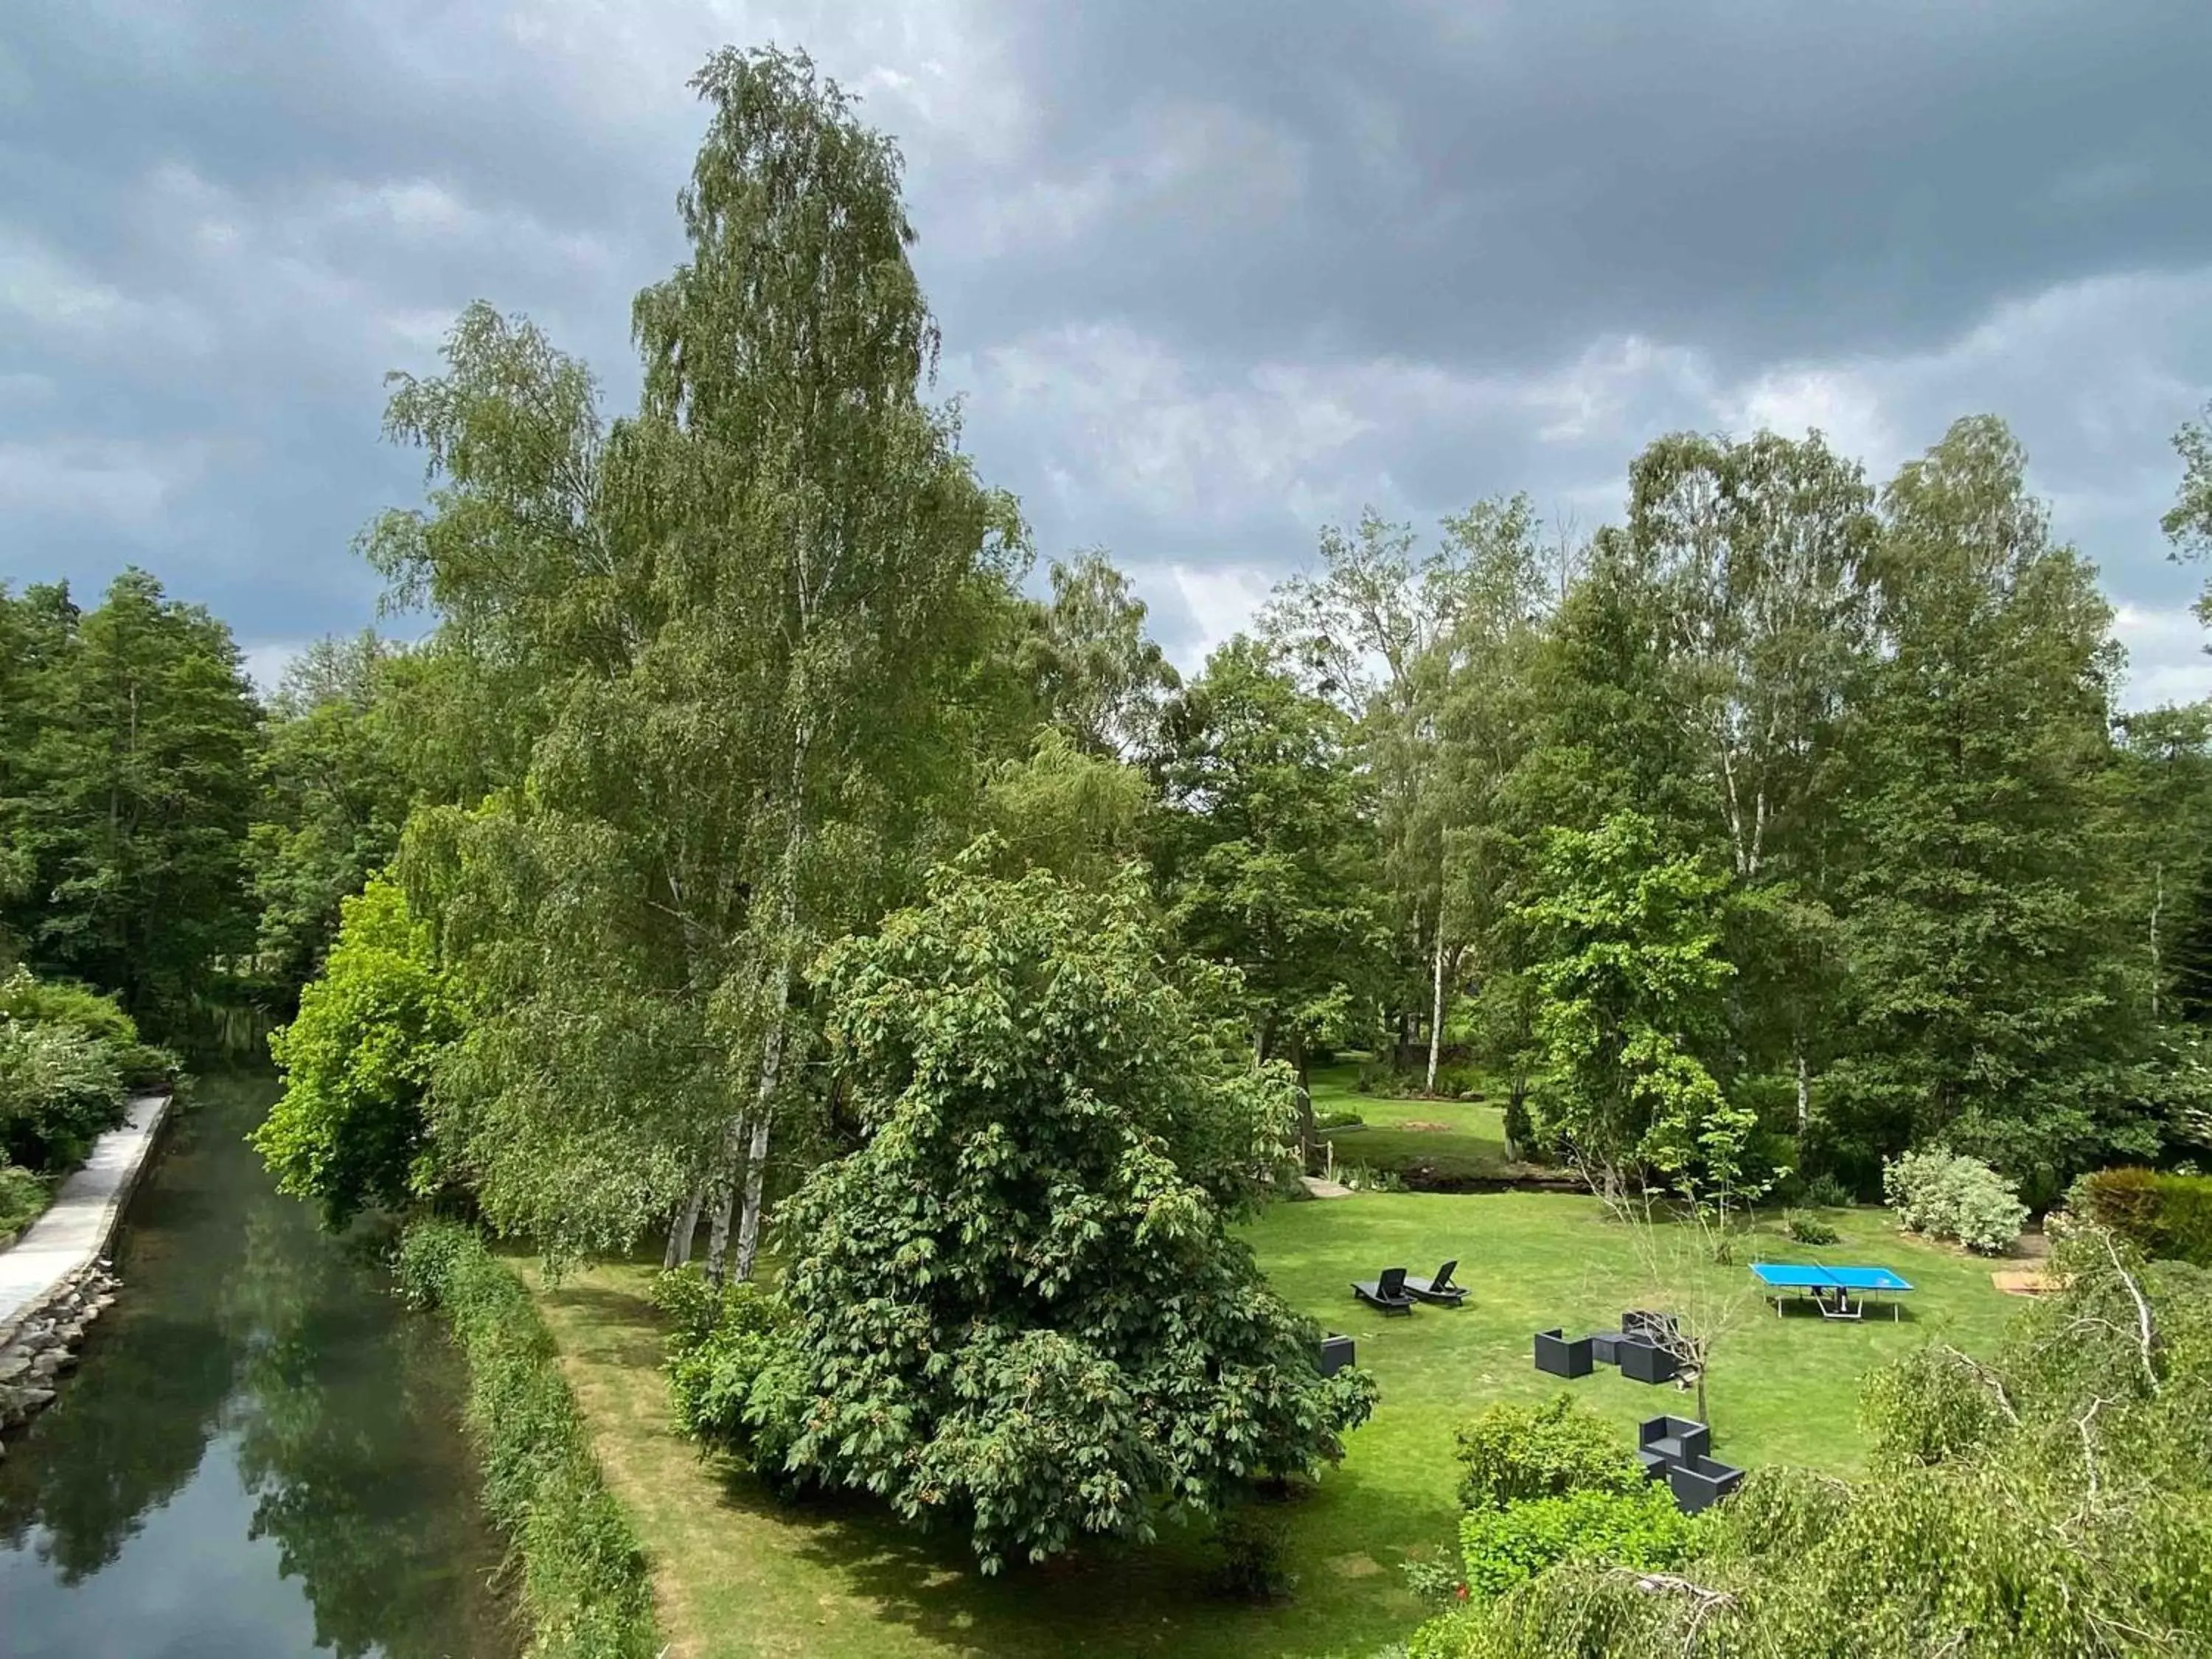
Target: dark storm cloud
1210 274
1493 184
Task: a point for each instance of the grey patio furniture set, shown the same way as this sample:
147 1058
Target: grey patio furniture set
1680 1452
1643 1348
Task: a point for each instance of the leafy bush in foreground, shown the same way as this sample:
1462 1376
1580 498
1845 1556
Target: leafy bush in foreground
583 1574
1016 1309
1641 1528
2167 1216
2051 1502
1947 1194
1513 1454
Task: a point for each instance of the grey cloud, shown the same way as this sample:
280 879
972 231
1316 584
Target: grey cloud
1209 274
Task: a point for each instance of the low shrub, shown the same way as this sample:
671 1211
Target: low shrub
22 1199
1809 1228
2166 1216
1640 1528
1825 1192
1254 1550
1340 1119
61 1002
1946 1194
1513 1453
584 1581
720 1343
1361 1179
58 1088
1455 1080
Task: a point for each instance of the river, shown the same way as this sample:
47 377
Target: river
260 1453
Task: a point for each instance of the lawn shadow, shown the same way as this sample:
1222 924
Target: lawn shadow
629 1331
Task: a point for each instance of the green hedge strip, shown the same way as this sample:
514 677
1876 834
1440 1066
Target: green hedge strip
2165 1216
584 1578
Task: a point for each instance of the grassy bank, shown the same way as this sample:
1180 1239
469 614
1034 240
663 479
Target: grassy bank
739 1573
584 1579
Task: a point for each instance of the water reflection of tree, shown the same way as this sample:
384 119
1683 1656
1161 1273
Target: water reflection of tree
131 1429
348 1448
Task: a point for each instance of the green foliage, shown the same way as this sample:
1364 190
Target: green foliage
723 1337
1634 983
1099 679
23 1197
1997 1003
1639 1528
1253 1541
1825 1192
1514 1452
2162 1215
58 1088
1950 1195
125 797
1932 1406
585 1584
350 1132
335 792
1806 1229
1261 850
1016 1308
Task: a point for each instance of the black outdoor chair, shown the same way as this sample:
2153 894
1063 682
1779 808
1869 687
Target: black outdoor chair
1671 1440
1387 1292
1335 1354
1439 1290
1605 1347
1644 1361
1654 1327
1560 1358
1698 1483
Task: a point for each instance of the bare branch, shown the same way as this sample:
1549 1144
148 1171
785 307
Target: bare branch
2144 1331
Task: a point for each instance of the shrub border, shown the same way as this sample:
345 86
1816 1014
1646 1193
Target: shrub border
586 1585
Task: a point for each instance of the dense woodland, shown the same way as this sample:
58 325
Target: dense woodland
744 760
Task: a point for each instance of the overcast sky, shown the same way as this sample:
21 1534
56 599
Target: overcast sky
1212 273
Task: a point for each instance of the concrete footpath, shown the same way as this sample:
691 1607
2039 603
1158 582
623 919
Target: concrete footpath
75 1232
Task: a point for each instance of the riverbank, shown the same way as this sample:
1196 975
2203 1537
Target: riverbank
259 1454
53 1280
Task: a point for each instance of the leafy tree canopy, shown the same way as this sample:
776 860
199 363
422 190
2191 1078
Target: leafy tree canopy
1017 1308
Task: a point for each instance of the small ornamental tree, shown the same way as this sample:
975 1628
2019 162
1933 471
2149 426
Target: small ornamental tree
349 1131
1017 1309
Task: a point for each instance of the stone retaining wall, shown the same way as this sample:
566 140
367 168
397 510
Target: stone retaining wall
57 1279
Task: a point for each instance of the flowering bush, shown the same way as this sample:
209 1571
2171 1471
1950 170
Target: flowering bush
1947 1194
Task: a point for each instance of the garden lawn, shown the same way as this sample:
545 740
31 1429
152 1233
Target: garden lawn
1457 1141
738 1573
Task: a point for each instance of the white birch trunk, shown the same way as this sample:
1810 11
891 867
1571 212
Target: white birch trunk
1436 1008
756 1154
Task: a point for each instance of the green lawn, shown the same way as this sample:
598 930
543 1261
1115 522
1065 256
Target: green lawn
739 1574
1449 1139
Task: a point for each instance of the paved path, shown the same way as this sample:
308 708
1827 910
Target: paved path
74 1230
1322 1188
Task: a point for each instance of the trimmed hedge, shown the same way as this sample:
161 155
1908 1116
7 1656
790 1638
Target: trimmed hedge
584 1577
2169 1216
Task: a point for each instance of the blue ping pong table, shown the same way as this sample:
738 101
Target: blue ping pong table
1838 1292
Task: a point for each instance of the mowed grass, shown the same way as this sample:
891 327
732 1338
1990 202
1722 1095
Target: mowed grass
739 1573
1452 1141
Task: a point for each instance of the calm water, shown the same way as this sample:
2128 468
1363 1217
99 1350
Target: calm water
260 1454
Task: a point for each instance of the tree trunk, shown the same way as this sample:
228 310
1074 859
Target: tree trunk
1804 1091
718 1235
763 1110
749 1227
680 1227
1436 1012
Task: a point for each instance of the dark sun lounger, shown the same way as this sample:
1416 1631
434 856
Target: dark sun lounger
1387 1292
1439 1290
